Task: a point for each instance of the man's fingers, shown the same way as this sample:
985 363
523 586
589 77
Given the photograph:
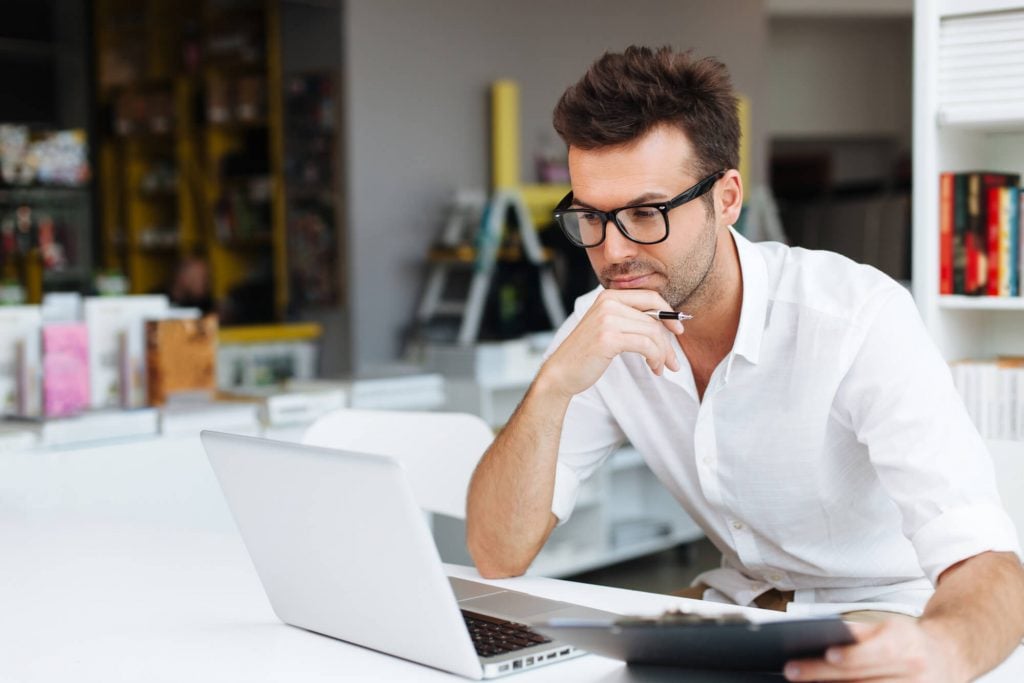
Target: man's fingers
652 352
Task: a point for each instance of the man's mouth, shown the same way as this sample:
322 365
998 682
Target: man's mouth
631 282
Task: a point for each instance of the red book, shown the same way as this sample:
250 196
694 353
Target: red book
994 258
946 233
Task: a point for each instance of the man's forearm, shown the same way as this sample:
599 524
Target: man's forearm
978 608
509 507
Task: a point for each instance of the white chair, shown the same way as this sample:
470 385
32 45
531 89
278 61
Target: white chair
438 450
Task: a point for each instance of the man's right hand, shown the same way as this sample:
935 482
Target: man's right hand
616 323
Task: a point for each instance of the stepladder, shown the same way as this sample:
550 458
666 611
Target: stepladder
471 240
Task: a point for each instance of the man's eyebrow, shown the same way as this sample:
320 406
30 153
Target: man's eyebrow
645 198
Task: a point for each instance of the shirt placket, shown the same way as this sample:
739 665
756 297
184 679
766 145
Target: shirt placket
708 469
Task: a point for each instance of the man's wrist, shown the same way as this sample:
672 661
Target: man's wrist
546 386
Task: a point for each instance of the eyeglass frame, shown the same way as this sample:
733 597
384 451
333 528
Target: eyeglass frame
699 189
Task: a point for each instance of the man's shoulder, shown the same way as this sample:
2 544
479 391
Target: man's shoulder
823 281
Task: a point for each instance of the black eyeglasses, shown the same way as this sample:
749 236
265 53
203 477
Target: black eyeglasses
640 223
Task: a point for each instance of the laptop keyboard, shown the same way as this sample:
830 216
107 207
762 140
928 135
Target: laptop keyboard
493 636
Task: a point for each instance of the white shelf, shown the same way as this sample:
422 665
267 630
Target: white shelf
992 119
563 564
981 303
947 8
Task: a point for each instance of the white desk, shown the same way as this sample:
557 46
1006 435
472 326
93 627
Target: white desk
122 564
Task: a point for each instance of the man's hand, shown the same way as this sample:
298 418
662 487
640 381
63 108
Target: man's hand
616 323
894 650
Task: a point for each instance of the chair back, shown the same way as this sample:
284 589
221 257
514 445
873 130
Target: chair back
438 450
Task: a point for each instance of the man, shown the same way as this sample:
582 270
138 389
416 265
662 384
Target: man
802 417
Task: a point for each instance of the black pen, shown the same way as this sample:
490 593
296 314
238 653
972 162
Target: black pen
669 315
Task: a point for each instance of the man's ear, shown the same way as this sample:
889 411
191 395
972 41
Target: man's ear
730 196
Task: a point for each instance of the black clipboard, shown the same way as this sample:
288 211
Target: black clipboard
729 642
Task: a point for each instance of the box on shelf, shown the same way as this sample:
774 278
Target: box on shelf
189 417
94 425
263 364
19 361
181 355
490 363
117 353
65 368
279 406
627 532
391 387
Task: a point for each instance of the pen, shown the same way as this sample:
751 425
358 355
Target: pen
669 315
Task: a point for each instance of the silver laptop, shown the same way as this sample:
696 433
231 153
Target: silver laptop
342 549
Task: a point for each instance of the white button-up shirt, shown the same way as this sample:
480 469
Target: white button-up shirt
830 455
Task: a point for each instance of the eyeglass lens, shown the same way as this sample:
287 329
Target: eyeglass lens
641 223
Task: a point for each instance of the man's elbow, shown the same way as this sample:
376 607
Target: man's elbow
494 564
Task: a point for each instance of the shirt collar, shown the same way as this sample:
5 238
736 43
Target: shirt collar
754 308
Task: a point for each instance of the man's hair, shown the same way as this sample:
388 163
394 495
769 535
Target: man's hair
624 96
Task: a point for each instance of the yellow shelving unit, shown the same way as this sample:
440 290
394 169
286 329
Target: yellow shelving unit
194 91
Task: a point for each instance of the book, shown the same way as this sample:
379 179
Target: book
959 233
190 418
946 233
90 426
279 406
970 257
65 368
385 387
976 236
1014 257
181 355
20 392
117 367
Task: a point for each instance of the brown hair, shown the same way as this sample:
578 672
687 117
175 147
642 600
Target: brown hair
623 96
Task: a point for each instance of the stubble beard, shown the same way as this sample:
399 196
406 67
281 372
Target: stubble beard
689 282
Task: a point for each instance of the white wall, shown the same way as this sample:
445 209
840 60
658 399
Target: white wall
417 76
832 77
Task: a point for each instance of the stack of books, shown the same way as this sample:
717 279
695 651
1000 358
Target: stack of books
993 393
979 234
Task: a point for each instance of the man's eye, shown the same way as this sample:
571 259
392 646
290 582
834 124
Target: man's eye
590 218
643 213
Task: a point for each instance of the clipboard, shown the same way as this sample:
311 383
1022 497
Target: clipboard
729 642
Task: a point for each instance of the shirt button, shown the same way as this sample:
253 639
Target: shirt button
706 460
775 577
737 525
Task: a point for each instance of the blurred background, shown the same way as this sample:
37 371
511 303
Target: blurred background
298 161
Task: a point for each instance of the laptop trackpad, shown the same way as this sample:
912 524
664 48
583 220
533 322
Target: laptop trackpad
511 605
526 607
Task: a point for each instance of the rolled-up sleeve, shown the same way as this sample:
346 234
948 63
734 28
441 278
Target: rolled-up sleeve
929 457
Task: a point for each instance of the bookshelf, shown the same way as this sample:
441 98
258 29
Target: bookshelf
191 159
958 128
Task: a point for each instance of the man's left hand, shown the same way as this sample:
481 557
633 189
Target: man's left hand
894 650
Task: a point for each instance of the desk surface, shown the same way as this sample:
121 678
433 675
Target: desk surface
122 564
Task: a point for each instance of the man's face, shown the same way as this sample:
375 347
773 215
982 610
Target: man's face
655 168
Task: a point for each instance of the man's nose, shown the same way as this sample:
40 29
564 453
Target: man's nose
617 247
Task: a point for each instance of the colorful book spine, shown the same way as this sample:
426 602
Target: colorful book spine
65 369
946 233
1017 250
1006 254
971 241
960 234
993 229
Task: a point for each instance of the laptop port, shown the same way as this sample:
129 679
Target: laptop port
565 651
503 667
517 664
529 661
552 655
